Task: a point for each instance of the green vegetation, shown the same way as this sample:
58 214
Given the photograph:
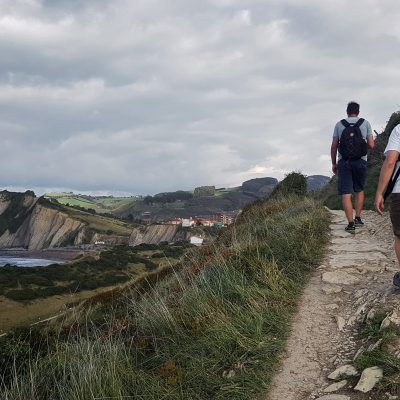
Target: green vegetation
101 204
211 330
375 160
100 223
294 183
206 200
170 197
95 223
384 355
109 268
204 191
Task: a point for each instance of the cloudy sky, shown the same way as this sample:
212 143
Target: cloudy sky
147 96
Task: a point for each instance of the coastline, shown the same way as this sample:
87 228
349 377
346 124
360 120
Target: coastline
59 254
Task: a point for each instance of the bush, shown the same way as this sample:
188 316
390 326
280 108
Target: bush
294 183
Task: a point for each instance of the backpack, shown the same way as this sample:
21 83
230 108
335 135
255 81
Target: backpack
352 145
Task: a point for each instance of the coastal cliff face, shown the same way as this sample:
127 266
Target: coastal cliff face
155 234
25 222
34 223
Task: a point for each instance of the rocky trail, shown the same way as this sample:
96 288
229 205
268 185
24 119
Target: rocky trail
352 286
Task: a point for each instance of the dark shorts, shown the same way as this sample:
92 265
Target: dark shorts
351 175
395 213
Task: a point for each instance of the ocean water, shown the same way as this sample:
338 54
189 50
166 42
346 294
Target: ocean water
26 262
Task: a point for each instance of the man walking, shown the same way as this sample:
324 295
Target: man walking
390 165
351 139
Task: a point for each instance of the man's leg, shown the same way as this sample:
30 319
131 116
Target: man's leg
359 175
345 187
396 278
359 203
395 218
348 207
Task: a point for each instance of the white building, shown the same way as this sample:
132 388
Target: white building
196 240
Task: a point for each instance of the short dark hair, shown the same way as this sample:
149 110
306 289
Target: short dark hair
353 108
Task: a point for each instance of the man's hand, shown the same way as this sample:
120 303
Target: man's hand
379 204
334 168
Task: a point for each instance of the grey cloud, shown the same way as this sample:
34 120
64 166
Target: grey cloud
157 96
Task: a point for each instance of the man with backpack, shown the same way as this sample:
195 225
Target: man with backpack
351 139
389 180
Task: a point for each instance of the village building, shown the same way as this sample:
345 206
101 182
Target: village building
196 240
146 218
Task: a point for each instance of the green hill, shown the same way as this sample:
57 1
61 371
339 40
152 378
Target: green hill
101 204
204 200
375 161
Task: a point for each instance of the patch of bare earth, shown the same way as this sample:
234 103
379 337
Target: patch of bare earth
355 277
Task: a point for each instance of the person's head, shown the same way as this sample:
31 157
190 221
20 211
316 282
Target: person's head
353 108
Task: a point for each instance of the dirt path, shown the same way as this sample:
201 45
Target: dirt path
356 275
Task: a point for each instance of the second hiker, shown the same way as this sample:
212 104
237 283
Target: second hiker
351 139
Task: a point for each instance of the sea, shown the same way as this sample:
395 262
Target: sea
26 262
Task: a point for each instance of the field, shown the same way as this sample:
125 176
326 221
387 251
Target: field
223 191
99 204
16 314
100 223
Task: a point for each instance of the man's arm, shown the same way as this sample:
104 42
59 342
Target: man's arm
334 147
371 142
384 178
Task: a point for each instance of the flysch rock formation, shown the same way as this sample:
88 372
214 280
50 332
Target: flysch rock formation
38 226
42 227
344 293
154 234
35 225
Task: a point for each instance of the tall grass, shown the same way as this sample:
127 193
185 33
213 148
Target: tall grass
211 330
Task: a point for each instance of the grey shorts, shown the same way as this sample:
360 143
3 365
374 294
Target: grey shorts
395 213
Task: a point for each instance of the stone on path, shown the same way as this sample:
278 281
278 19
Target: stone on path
332 306
331 289
391 319
369 378
339 277
335 386
334 397
344 370
371 314
353 258
340 323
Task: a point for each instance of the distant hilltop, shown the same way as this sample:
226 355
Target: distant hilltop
203 201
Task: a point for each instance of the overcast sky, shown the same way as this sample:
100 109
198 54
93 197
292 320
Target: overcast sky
147 96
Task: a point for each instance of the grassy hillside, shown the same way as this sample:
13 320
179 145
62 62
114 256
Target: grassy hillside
213 329
101 204
375 160
95 222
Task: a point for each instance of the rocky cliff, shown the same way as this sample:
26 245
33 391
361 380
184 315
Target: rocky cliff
35 223
155 234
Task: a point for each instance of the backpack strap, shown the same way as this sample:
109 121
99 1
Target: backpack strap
359 122
345 123
392 182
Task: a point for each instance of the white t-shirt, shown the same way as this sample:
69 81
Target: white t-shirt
394 144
